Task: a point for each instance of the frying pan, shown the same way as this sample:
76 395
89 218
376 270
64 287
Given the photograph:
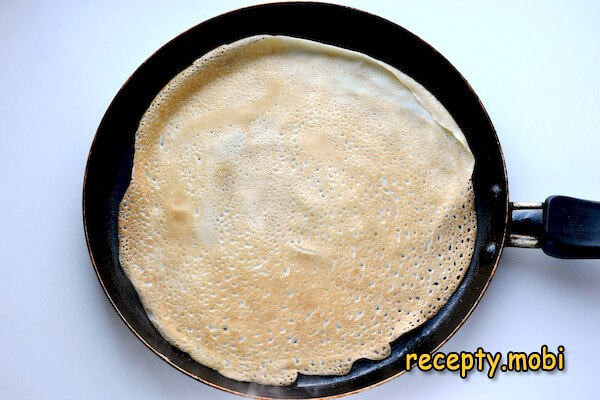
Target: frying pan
561 226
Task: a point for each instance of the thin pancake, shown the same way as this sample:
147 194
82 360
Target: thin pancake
294 207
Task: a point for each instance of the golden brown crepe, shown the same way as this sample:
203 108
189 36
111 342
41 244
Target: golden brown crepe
294 207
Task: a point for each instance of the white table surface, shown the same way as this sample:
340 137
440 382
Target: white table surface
535 65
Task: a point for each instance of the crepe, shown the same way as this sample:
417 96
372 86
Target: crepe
294 207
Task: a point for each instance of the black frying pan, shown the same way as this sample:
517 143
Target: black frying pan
561 226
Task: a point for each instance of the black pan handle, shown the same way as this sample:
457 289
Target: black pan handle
562 227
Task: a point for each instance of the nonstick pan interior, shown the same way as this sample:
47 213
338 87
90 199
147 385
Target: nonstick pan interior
110 162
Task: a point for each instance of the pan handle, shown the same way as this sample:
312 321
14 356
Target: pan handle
562 227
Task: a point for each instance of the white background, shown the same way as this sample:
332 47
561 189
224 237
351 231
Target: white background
535 65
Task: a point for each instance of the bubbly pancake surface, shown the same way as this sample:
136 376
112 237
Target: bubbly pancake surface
294 207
